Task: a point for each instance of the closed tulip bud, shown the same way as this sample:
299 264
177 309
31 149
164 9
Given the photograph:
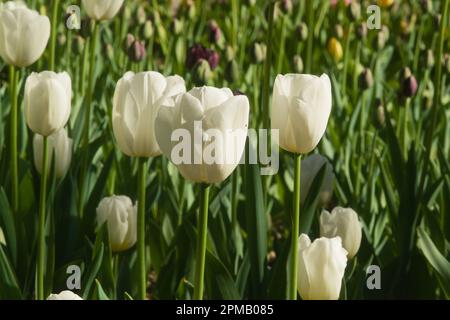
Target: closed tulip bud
365 79
78 45
379 118
141 15
102 9
128 43
446 62
2 238
405 73
62 39
47 101
259 52
211 119
120 216
232 73
286 6
385 3
343 223
354 11
60 146
321 267
297 63
178 26
213 58
335 49
109 51
429 58
215 34
23 34
301 107
361 31
64 295
148 29
382 37
136 101
311 166
42 9
137 52
202 73
339 31
302 30
409 87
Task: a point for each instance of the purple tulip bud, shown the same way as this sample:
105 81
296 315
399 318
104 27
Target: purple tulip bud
409 86
137 51
215 34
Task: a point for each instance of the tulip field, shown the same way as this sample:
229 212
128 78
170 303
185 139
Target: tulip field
224 149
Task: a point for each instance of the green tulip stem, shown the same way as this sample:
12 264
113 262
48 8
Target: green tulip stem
87 119
202 232
13 77
142 178
54 31
295 229
41 225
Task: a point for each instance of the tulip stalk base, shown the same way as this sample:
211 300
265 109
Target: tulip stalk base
202 234
142 177
295 230
41 225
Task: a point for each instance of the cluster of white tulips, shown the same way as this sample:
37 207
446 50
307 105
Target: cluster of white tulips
147 108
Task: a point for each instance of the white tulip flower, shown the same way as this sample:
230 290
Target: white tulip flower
102 9
344 223
212 125
64 295
47 101
137 99
24 34
301 107
321 266
60 145
121 218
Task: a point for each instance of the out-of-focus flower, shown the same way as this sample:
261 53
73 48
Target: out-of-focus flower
365 79
259 52
361 31
137 52
354 10
215 34
302 30
310 168
102 9
120 216
343 223
232 73
148 29
297 64
141 15
378 116
23 34
409 86
64 295
339 31
335 49
321 267
60 146
198 52
385 3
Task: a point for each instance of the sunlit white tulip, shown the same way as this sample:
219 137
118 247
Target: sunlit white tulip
24 34
137 99
47 101
121 218
301 107
102 9
321 266
64 295
311 166
204 133
342 222
60 145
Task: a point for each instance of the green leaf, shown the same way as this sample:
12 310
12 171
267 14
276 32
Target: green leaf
101 295
9 287
219 282
435 258
256 225
8 226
